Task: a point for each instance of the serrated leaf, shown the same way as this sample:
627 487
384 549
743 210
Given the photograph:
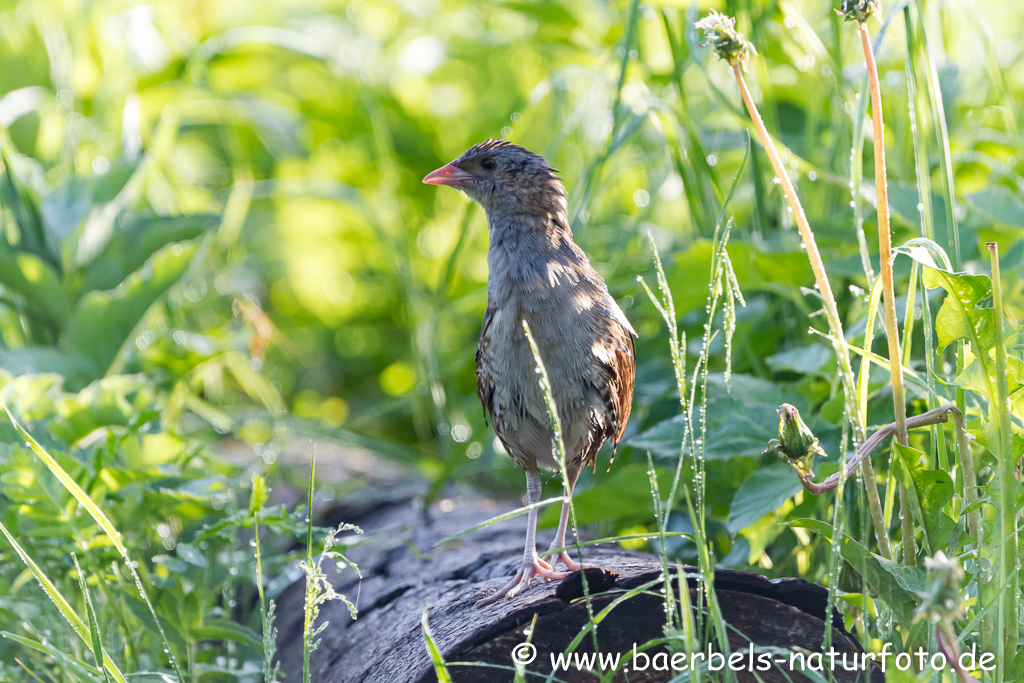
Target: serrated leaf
932 489
896 584
963 314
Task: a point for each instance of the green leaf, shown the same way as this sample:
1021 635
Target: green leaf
926 252
20 196
64 208
115 400
625 495
90 506
223 629
999 205
135 239
963 315
436 658
191 555
737 427
895 583
36 280
933 489
764 491
94 627
77 369
104 320
803 360
757 269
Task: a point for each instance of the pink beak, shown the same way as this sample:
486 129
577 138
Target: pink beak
449 174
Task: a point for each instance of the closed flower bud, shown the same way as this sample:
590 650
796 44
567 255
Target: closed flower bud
796 444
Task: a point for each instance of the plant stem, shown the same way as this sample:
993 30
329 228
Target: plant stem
970 480
932 417
946 640
892 332
831 312
1006 616
309 614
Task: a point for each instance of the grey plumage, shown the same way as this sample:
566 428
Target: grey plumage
538 274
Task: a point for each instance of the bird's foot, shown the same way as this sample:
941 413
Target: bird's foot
521 581
571 565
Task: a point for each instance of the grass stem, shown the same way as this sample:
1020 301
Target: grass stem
1006 615
888 295
831 312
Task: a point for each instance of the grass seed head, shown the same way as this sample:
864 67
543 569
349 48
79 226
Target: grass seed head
858 10
721 34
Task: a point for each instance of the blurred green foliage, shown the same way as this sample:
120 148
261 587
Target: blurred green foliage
225 198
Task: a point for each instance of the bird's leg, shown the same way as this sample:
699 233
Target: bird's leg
532 564
563 522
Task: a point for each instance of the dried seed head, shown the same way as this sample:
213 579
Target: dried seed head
721 34
858 10
941 601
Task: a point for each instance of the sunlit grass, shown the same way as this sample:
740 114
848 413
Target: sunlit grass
319 272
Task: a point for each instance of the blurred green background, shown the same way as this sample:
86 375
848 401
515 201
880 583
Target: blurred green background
217 207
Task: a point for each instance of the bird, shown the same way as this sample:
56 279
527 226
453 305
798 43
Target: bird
538 275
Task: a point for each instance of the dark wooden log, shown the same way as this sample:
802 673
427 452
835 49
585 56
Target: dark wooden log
403 572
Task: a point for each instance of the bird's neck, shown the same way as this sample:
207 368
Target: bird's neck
529 237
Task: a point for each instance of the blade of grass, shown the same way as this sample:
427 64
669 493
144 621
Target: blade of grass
270 669
94 627
108 528
500 518
440 669
28 671
561 456
62 605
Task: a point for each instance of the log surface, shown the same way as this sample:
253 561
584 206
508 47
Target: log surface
403 571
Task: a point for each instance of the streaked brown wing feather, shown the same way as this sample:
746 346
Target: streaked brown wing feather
484 373
626 373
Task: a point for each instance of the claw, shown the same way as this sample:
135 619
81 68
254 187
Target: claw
571 565
521 581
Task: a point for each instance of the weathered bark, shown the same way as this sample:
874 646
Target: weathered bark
386 643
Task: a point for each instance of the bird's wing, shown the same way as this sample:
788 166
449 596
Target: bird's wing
624 374
484 374
616 369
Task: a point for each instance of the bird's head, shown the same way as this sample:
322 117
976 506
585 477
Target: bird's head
504 177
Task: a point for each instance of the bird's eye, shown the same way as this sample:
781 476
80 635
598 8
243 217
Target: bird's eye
488 164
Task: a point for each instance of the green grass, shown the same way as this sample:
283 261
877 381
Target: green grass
218 236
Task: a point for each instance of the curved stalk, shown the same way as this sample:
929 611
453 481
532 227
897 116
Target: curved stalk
932 417
888 295
831 312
